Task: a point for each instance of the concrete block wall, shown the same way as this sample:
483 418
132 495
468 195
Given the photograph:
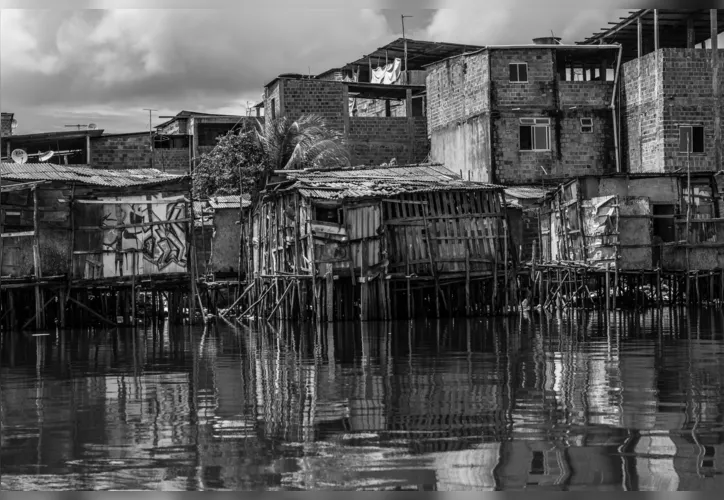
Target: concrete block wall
371 140
688 99
171 160
457 90
590 93
376 140
540 89
6 121
121 151
324 98
642 107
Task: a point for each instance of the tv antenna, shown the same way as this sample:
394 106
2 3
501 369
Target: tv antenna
88 126
404 40
150 131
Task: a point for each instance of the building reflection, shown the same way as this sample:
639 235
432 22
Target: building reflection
552 402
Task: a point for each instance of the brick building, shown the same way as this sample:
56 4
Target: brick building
196 132
524 114
372 140
670 89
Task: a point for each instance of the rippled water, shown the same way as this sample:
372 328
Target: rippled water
572 402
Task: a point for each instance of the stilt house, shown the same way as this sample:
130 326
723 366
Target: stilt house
636 222
381 243
68 228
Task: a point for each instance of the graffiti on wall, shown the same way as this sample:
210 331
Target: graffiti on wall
158 248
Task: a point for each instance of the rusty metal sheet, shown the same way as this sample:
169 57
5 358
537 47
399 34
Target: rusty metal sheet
84 174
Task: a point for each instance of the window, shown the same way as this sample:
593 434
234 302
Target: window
586 125
535 134
537 463
273 108
693 137
518 72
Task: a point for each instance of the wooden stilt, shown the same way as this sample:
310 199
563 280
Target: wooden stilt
329 281
467 282
608 286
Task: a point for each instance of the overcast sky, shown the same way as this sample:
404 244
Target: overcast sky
79 65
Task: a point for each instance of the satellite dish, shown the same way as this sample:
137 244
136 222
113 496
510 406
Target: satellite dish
46 156
92 126
14 124
19 156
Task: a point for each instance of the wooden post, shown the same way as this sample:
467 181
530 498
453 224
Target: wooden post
690 44
711 289
133 288
615 284
608 285
467 280
656 29
639 38
505 264
40 315
364 290
659 299
329 275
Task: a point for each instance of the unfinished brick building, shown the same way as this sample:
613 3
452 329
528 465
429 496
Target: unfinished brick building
524 114
372 140
671 89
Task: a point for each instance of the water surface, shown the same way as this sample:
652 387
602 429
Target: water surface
570 402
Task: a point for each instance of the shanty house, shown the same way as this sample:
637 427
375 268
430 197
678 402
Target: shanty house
69 225
636 222
398 241
218 233
523 209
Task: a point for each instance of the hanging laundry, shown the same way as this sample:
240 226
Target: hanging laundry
378 74
393 70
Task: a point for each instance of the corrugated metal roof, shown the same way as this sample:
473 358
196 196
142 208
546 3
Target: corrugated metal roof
228 201
384 181
527 192
86 175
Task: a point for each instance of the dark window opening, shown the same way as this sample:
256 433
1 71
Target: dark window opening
325 214
518 72
691 139
664 222
586 125
537 464
535 134
273 108
16 220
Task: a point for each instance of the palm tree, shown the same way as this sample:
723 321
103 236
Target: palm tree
302 143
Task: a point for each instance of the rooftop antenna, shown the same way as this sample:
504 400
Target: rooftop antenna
404 41
150 131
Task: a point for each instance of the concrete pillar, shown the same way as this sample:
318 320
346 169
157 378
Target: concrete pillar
639 46
690 44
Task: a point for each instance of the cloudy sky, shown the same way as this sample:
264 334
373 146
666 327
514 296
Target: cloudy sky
103 61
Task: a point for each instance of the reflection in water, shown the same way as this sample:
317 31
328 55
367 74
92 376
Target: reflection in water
566 402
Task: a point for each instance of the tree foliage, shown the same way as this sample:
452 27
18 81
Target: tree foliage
237 162
244 159
303 143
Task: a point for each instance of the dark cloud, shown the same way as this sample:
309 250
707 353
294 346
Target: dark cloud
105 66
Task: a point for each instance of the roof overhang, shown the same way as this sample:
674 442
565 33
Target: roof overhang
673 30
44 136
